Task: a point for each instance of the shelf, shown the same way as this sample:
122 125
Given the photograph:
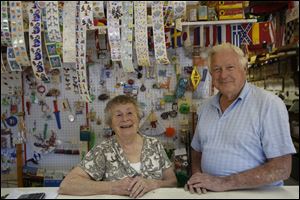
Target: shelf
198 23
241 21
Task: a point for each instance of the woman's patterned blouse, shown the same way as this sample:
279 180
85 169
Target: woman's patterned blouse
107 161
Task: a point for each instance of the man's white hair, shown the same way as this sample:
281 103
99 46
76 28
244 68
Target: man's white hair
226 46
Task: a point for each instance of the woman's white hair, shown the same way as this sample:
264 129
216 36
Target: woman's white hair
226 46
120 100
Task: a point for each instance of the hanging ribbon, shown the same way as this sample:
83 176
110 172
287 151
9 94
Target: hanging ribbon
52 38
35 43
114 12
52 19
127 37
5 33
81 55
179 8
159 33
17 35
86 14
69 51
3 68
202 36
141 36
186 37
99 16
13 64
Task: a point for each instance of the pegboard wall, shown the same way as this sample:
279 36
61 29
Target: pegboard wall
103 76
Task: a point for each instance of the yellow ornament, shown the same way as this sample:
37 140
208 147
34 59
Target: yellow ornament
195 78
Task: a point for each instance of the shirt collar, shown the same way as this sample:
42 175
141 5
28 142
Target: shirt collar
242 95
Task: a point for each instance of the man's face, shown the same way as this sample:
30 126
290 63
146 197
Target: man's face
228 75
125 119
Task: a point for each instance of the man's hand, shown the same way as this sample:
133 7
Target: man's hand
213 183
139 186
193 190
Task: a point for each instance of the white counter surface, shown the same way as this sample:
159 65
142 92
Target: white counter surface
285 192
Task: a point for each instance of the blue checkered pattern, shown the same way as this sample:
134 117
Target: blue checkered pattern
252 129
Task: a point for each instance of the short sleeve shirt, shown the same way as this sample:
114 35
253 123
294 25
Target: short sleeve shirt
254 128
107 161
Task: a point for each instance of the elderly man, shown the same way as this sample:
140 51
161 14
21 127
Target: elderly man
242 139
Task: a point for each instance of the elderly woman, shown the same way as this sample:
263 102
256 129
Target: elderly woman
128 163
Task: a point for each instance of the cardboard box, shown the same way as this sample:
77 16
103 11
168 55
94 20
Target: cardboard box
230 4
202 13
225 14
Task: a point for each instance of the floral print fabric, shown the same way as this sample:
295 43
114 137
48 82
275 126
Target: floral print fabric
107 161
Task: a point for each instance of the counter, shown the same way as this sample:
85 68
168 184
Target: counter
285 192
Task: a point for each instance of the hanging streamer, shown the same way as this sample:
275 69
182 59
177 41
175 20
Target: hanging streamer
86 14
159 33
17 33
69 51
114 12
127 37
52 19
13 64
81 55
35 43
5 33
141 36
3 68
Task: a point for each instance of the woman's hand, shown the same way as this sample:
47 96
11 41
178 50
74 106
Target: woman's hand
139 186
120 187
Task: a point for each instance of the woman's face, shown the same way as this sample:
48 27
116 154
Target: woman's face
125 119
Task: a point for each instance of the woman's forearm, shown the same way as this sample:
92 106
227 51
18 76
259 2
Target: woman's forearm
82 186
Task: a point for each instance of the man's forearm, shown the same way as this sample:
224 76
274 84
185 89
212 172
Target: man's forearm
274 170
196 161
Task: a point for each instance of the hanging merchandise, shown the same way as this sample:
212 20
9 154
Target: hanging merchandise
11 121
159 33
98 12
152 126
8 158
127 36
184 106
5 32
170 132
57 114
141 37
52 21
67 108
205 84
17 35
54 57
3 68
13 64
35 42
181 87
69 14
86 14
114 12
45 145
179 9
81 55
195 78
